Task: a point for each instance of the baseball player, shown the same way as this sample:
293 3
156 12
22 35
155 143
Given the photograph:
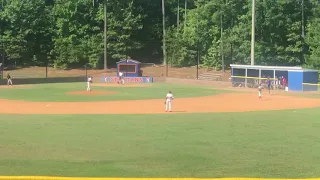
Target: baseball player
168 102
260 91
9 80
89 83
121 80
269 85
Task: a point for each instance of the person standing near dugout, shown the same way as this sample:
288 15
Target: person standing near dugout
260 91
269 85
9 80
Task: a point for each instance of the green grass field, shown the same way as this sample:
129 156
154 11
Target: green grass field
279 144
57 92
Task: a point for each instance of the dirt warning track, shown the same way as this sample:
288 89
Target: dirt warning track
241 102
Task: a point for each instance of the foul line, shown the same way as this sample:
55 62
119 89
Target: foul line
90 178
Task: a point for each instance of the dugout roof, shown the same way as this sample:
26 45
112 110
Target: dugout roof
123 61
272 68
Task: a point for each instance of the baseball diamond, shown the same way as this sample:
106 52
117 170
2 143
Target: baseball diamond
160 90
119 130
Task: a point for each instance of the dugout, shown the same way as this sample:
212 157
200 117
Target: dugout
297 78
129 68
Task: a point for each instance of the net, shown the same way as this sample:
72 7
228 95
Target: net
253 82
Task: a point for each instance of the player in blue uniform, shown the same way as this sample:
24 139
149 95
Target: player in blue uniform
269 85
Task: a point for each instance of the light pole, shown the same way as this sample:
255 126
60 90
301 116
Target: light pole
164 38
178 15
198 50
105 36
253 31
3 51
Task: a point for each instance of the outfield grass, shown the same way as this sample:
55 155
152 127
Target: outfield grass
57 92
279 144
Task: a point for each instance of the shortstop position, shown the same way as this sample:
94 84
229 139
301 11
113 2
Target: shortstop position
168 101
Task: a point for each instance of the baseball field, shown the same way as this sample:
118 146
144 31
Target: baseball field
60 130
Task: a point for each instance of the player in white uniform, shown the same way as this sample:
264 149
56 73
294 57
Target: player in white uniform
89 83
121 80
168 102
260 91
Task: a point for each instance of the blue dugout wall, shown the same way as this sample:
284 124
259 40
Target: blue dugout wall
295 80
310 81
303 80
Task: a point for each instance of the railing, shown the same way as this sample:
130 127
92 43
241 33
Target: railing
210 76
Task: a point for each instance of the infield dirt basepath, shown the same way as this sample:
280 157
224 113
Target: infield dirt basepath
242 102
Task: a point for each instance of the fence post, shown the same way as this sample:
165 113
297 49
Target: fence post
47 71
85 66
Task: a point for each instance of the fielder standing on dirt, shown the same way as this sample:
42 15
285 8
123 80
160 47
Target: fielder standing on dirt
9 80
89 81
168 102
260 91
269 85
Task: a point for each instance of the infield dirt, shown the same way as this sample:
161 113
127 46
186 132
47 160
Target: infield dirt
242 102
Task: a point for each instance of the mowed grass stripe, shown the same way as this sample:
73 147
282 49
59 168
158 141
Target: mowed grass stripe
88 178
57 92
273 144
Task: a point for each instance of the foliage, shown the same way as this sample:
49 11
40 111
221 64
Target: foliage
71 33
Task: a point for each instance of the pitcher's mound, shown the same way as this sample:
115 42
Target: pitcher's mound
14 86
91 93
120 85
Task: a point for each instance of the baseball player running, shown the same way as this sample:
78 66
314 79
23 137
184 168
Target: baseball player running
168 102
89 83
9 80
260 91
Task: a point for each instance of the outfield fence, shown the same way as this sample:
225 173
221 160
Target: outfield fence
81 71
310 87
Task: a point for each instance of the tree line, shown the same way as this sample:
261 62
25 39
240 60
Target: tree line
214 33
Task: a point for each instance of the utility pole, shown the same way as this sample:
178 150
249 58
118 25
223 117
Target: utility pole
178 15
302 20
198 49
164 38
221 43
253 30
105 36
185 14
3 51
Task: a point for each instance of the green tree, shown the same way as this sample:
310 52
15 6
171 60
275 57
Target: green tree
313 37
26 31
